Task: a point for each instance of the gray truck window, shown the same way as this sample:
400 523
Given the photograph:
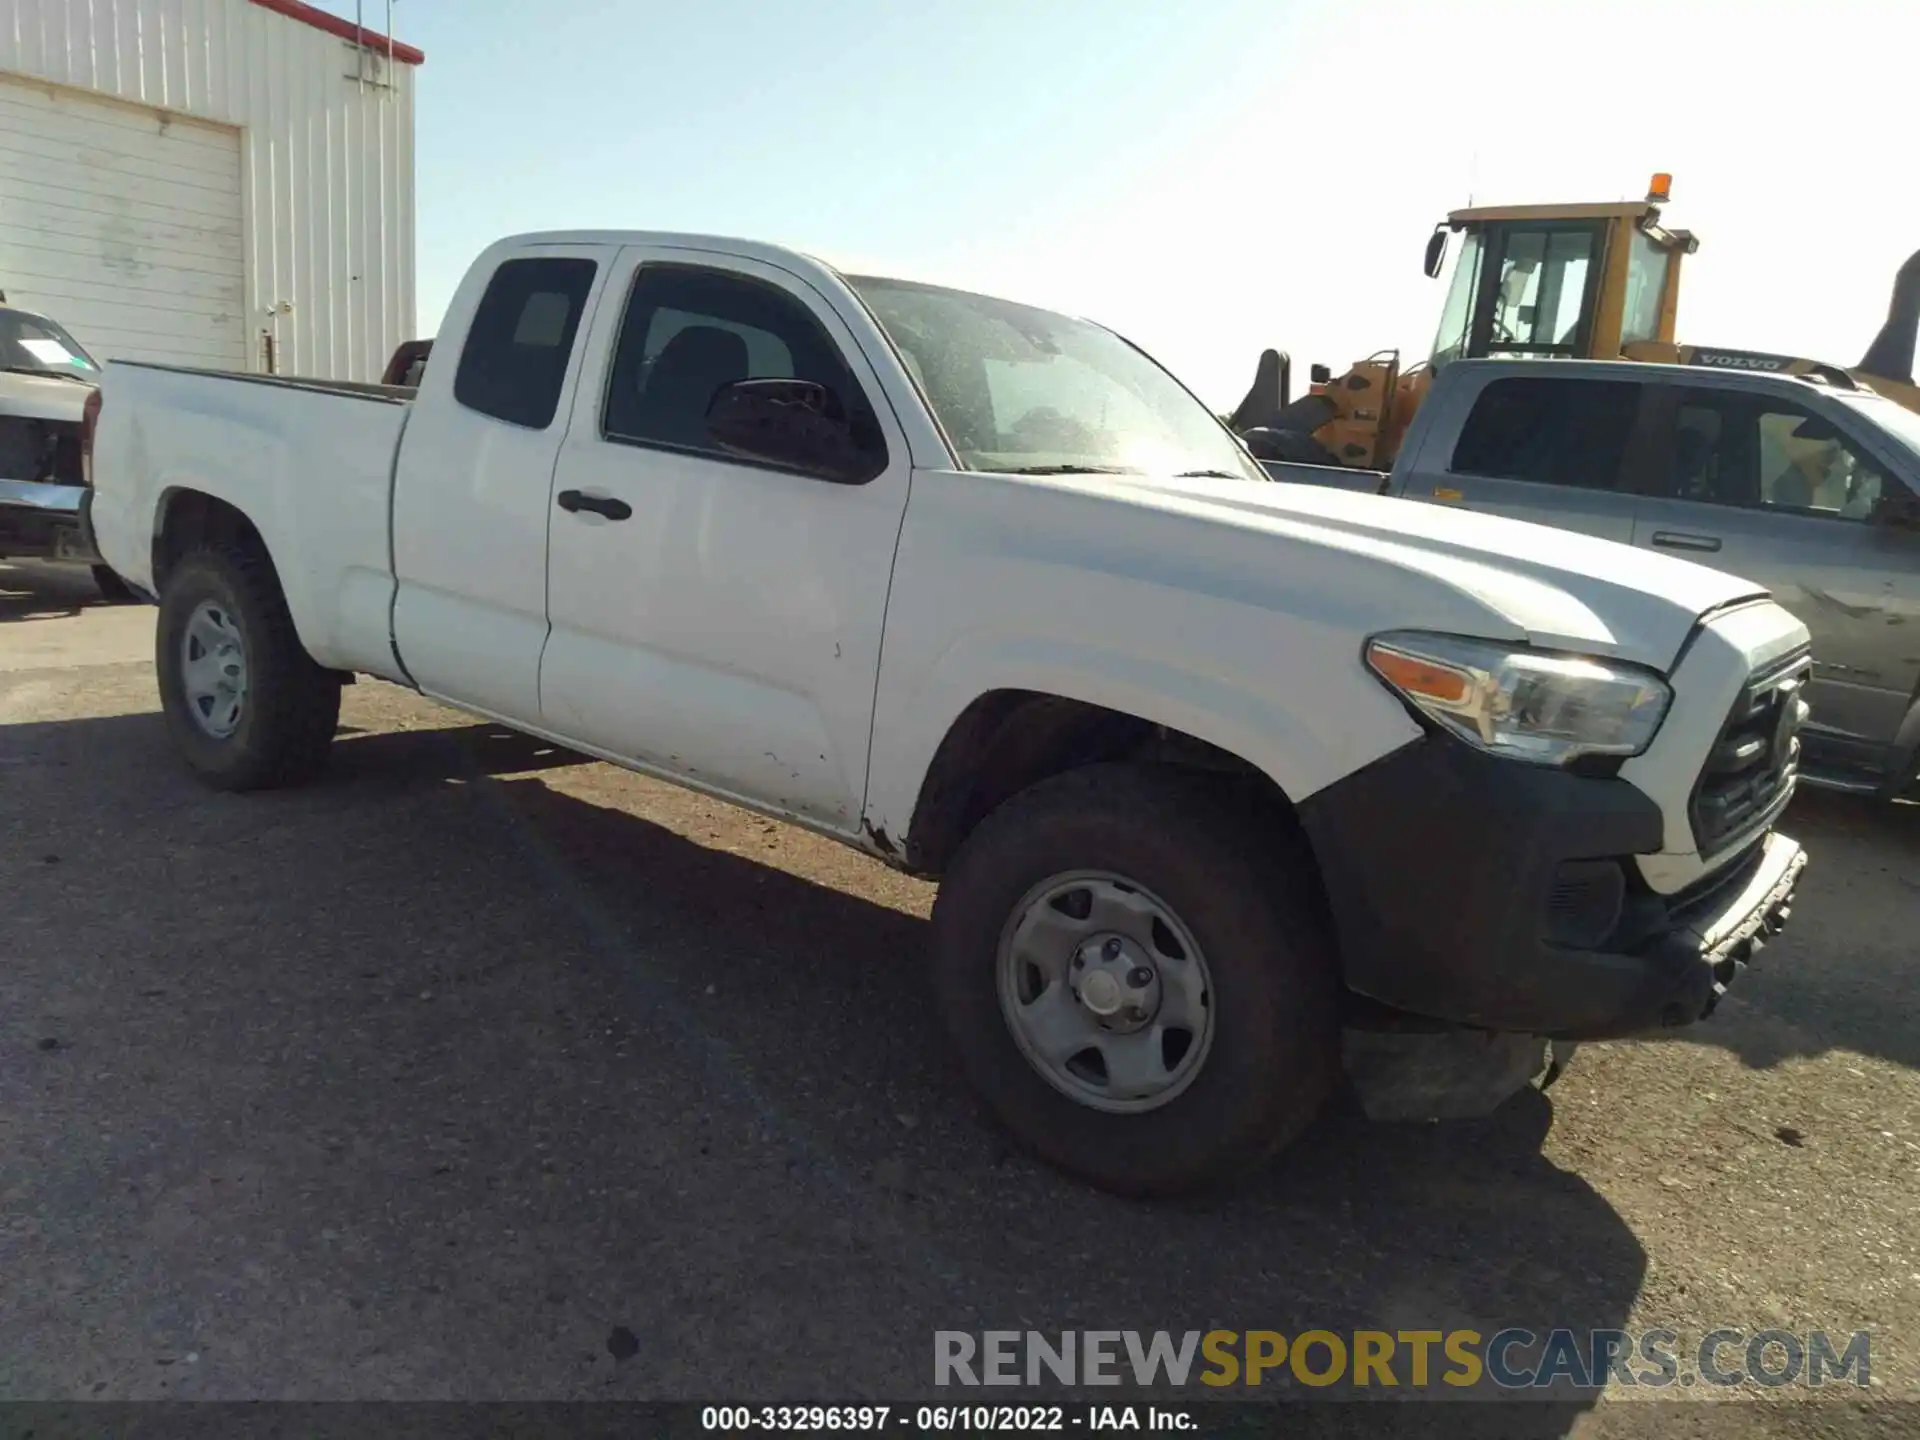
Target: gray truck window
689 331
1549 431
514 363
1724 447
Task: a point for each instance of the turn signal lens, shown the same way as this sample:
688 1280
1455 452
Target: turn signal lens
1411 675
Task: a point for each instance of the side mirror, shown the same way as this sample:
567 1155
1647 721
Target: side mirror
1320 374
1898 507
1436 251
797 424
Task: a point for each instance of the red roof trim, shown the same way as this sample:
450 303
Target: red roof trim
345 29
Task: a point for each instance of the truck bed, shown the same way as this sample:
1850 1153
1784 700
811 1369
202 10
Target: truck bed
331 442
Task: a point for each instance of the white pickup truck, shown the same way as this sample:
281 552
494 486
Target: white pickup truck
1213 770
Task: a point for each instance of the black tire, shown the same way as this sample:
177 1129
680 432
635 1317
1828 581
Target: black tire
112 588
291 707
1246 896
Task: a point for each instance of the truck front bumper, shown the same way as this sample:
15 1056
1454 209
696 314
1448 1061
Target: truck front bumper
1473 890
47 522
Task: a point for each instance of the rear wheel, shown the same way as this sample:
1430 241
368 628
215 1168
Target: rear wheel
246 705
1136 980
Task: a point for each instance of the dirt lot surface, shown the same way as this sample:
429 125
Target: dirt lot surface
482 1071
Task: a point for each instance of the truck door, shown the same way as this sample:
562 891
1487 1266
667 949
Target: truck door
1545 449
1777 491
471 490
716 619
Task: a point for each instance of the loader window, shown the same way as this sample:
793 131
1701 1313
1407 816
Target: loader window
1646 281
1539 299
1549 432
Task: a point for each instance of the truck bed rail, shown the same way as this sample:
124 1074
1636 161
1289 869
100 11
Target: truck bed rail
361 389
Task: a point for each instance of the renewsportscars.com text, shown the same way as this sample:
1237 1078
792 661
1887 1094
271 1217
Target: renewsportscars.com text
1510 1359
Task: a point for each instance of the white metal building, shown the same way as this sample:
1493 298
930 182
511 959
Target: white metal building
209 182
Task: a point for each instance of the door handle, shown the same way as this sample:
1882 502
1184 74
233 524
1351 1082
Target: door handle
573 502
1682 540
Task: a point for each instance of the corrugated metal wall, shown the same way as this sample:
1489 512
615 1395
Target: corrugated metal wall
327 161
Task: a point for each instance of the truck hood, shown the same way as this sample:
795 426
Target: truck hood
1558 589
41 397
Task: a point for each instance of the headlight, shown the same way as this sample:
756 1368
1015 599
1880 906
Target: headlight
1529 704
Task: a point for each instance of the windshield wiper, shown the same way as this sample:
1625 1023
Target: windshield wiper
51 374
1071 470
1208 475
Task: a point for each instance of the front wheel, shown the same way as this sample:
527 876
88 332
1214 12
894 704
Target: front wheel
247 707
1137 979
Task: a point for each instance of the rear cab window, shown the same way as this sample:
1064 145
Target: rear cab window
514 363
1566 432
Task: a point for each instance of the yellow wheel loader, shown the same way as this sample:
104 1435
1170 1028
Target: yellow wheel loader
1579 281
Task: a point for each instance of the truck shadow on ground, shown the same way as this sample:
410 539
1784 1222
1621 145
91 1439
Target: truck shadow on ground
43 592
542 1067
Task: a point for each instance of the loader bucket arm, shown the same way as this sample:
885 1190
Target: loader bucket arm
1891 354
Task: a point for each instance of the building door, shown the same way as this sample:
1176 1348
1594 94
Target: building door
124 225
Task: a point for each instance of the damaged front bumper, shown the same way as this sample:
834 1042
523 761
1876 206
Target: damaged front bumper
1484 909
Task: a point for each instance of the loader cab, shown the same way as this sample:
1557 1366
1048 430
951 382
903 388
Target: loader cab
1573 281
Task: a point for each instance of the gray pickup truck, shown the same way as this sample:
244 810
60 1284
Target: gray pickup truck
1811 490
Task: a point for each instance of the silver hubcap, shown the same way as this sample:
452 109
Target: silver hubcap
213 669
1106 991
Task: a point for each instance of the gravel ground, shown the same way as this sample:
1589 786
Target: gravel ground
481 1071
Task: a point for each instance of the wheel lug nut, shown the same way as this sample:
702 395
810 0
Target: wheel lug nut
1111 950
1140 977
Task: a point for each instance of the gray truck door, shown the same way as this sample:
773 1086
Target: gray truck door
1539 448
1774 490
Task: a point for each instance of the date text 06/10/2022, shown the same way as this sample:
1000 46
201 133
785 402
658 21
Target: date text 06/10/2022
940 1419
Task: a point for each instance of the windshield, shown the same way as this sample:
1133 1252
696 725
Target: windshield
32 342
1028 391
1451 342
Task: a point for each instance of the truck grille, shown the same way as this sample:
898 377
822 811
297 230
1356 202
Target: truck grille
1750 774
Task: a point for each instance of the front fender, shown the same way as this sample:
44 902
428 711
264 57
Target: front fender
1303 739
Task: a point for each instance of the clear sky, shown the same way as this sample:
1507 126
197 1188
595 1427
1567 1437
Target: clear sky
1208 178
